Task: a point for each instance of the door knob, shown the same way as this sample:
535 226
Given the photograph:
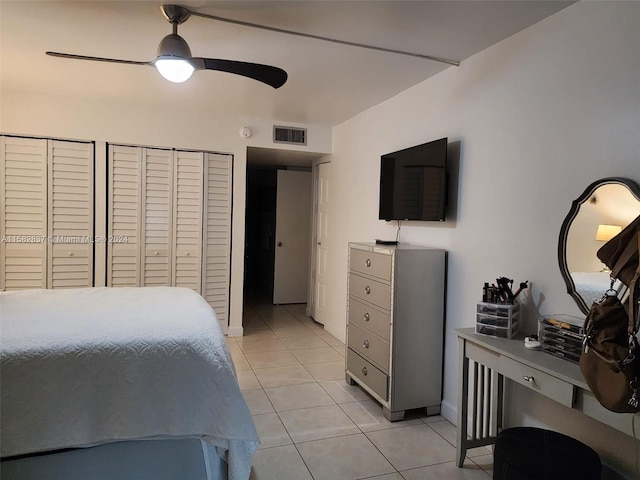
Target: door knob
279 244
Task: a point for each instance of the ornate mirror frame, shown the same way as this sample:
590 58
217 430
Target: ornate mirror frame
633 188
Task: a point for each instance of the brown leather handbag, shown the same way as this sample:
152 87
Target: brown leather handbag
610 359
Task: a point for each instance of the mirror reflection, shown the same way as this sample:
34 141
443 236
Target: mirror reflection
601 212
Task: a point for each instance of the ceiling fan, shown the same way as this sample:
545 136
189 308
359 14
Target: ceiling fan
175 63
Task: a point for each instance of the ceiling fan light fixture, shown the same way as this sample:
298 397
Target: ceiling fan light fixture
176 70
173 58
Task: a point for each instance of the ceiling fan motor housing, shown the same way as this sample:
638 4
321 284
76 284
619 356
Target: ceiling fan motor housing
175 13
173 45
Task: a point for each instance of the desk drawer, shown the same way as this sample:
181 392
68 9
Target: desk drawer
370 263
537 380
370 346
367 374
370 291
368 317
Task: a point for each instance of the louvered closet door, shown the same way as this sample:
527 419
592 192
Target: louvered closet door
123 258
70 225
187 220
23 205
157 186
217 234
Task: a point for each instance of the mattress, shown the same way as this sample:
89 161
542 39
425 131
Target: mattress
591 286
85 367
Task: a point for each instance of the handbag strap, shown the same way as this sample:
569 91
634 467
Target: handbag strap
633 324
624 258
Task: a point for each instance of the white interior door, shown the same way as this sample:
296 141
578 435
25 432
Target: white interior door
125 203
218 196
322 211
293 225
187 220
23 208
156 211
70 223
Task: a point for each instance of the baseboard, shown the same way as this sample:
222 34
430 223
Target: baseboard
449 411
234 331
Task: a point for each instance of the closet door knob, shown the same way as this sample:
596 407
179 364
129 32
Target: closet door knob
367 289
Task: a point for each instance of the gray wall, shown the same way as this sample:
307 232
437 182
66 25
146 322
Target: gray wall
533 121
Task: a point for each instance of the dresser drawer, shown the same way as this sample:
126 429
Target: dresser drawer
370 263
366 373
370 346
370 291
537 380
368 317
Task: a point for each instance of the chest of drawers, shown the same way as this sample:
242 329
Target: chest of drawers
395 325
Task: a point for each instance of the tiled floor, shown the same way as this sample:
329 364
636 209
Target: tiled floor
313 426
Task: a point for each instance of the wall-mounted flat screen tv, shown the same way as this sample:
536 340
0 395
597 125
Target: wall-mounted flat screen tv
413 183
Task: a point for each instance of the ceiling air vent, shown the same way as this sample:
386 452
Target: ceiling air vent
296 136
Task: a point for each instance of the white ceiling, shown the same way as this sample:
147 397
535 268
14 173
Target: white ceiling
328 83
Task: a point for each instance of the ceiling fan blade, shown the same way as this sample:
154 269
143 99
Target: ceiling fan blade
273 76
95 59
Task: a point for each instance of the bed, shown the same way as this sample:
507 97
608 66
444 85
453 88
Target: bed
591 286
116 379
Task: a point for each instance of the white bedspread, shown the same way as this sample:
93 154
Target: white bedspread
84 367
591 286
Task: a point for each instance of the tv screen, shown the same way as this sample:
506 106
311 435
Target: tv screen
413 183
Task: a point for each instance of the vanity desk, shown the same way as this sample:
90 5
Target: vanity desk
485 363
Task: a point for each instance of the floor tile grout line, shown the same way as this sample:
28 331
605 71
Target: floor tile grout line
371 442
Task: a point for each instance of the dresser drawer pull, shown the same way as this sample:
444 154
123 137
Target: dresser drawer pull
529 379
365 344
367 289
364 371
367 262
366 317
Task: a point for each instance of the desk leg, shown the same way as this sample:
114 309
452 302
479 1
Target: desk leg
463 403
500 404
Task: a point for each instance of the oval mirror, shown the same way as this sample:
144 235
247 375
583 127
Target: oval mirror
605 207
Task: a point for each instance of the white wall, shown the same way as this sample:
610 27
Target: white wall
35 114
538 117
